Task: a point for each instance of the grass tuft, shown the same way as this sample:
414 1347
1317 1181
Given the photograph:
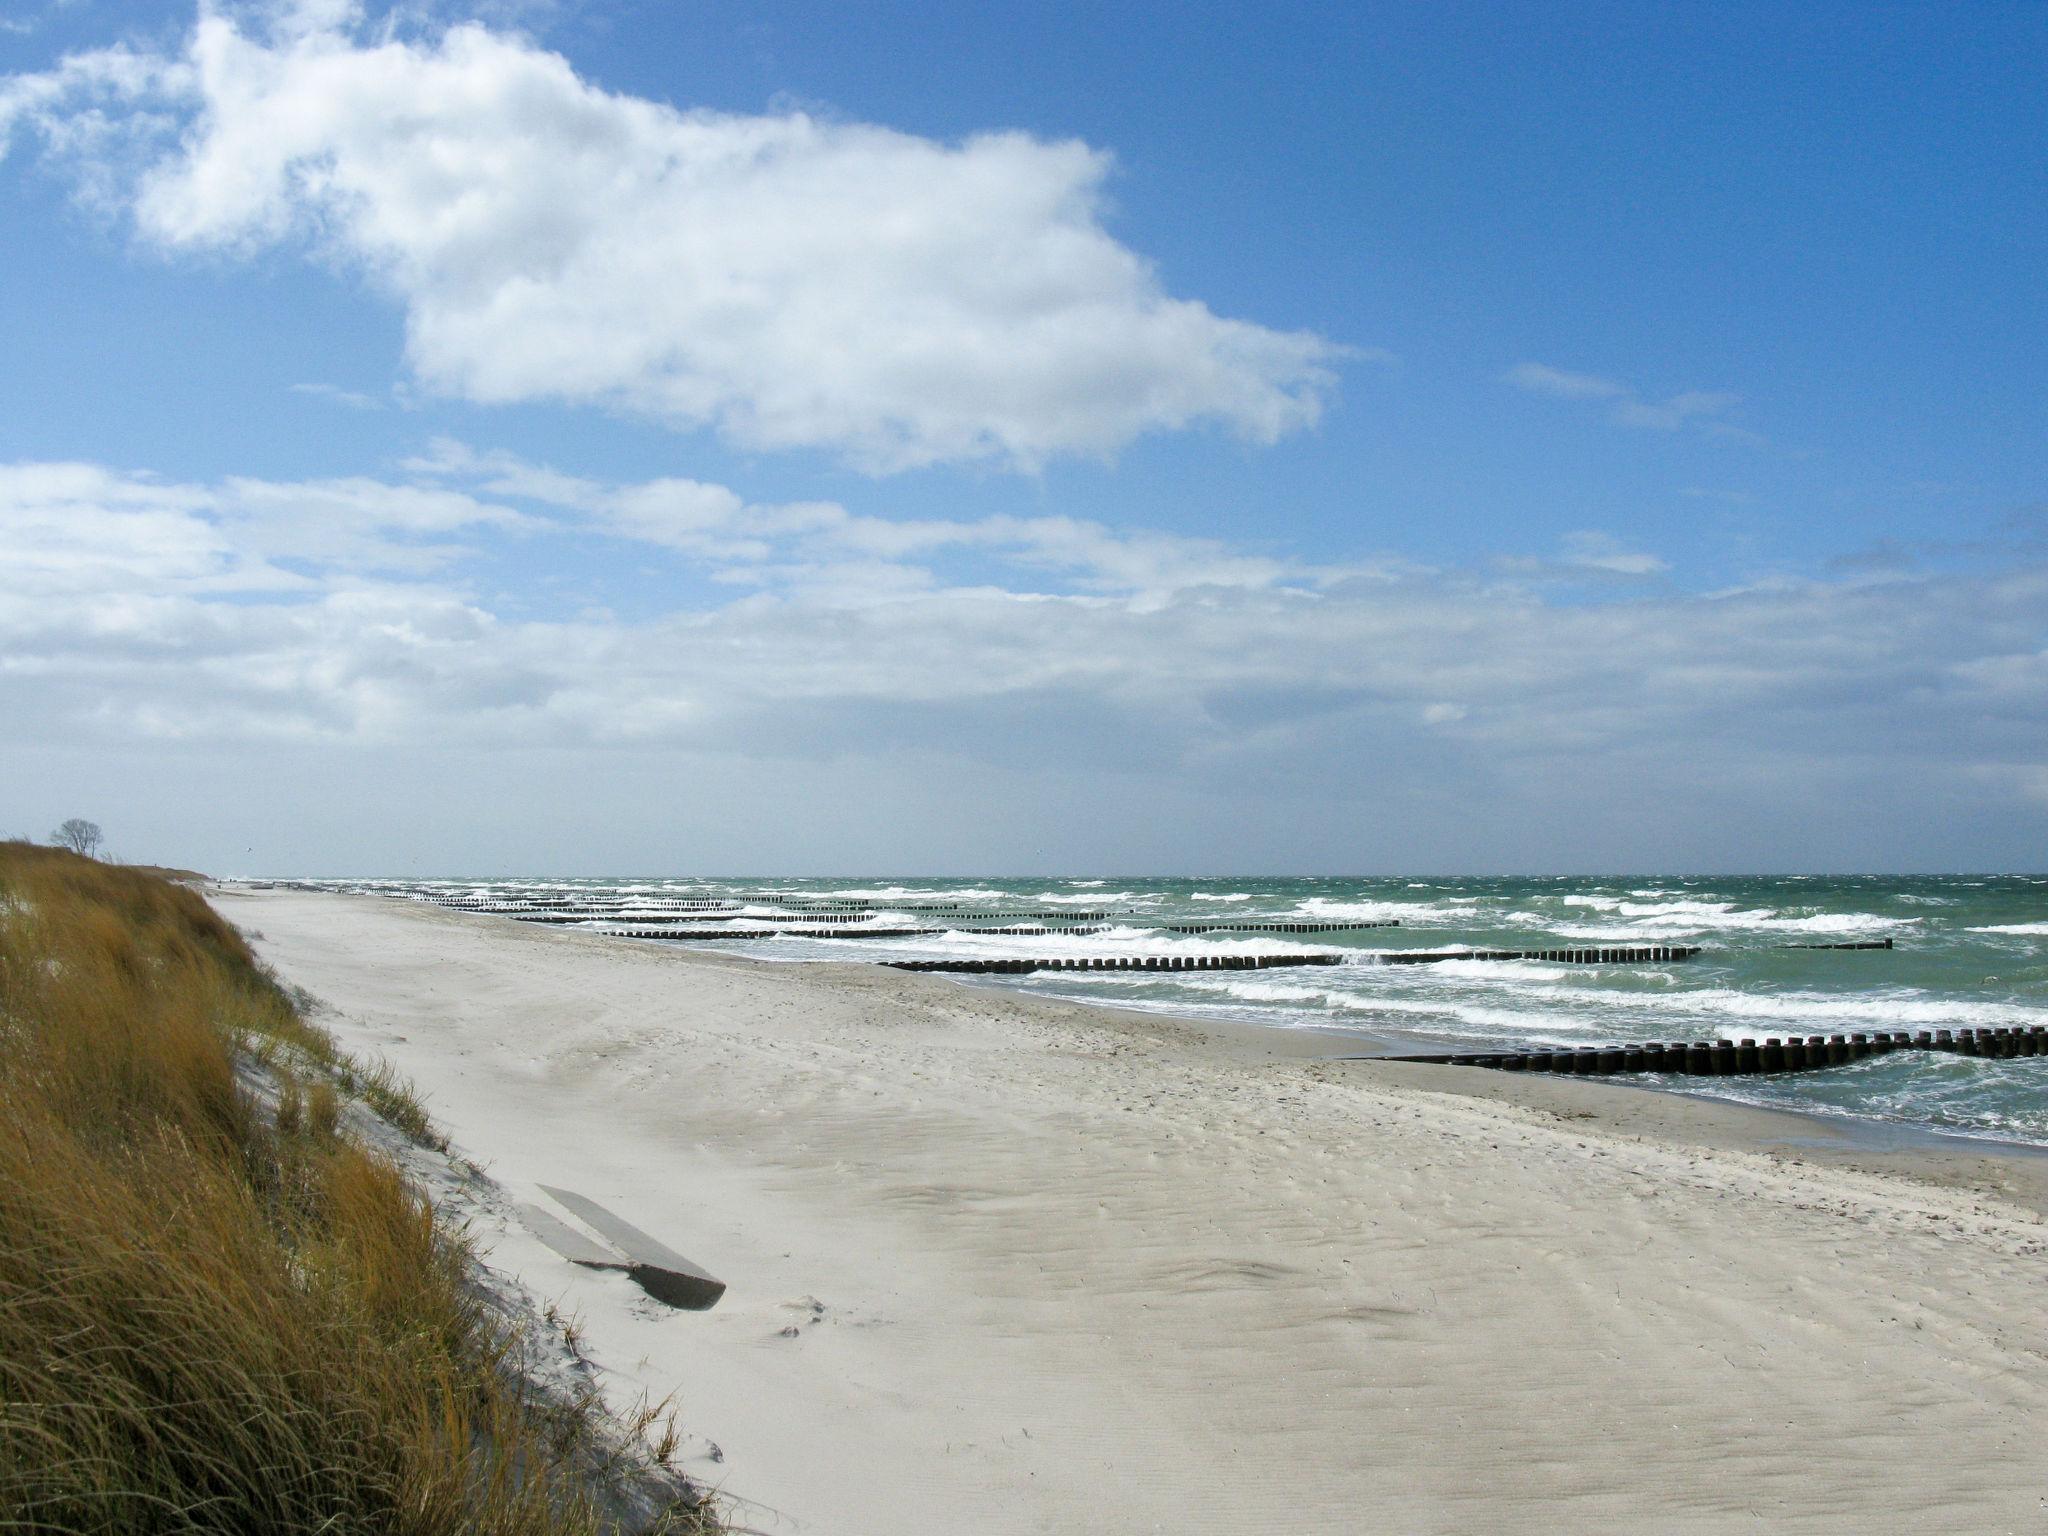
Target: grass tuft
378 1084
211 1319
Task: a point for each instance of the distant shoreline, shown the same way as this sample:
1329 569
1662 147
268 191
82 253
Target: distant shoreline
1769 1128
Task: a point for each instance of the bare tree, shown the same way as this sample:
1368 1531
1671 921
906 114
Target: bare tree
79 835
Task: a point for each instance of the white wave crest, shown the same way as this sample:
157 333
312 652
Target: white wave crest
1415 914
1121 942
911 892
1497 972
1642 920
1442 1016
1823 1009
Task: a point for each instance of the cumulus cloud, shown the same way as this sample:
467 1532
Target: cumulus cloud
791 281
138 611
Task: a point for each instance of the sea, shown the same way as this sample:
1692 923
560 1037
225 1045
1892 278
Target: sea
1967 951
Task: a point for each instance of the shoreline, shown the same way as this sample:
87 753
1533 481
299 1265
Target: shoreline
1002 1262
1851 1140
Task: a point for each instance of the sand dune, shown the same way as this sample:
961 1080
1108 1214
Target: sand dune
1003 1265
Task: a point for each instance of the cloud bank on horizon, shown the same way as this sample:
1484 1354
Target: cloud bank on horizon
792 281
811 287
353 616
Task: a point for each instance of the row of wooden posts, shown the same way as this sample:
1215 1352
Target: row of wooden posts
1748 1058
994 967
1015 967
1632 955
521 903
562 919
851 911
624 930
810 915
577 911
876 905
1256 927
1069 922
709 935
985 967
642 914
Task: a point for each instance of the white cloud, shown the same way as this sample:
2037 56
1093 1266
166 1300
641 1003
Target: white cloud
1706 409
750 541
792 281
1540 379
1692 405
1588 555
349 614
354 399
80 530
1593 551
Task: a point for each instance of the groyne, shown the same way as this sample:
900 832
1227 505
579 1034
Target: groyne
707 935
1742 1058
1288 927
1608 955
986 967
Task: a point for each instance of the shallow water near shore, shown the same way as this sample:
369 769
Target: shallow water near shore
1969 951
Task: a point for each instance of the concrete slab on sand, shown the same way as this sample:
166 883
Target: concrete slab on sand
656 1268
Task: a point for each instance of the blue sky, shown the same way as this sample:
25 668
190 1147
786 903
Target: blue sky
782 437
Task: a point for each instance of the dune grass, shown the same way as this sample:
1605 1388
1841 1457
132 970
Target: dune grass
213 1319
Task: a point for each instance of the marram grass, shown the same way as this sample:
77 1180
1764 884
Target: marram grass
210 1319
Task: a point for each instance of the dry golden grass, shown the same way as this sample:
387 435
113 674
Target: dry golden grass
211 1320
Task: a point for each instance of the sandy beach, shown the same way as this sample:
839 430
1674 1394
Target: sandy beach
999 1264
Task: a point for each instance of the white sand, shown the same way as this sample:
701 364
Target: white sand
1056 1269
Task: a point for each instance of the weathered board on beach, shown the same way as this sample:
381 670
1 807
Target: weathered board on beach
656 1268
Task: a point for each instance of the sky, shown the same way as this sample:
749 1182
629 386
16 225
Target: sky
790 438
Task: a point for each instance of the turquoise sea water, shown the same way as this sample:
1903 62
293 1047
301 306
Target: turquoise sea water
1969 951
